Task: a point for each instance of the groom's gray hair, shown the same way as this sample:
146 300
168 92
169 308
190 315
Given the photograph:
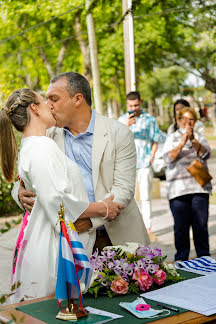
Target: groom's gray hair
76 83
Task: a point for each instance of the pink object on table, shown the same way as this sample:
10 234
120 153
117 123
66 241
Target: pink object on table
142 307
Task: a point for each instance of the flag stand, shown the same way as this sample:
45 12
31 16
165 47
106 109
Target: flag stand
72 311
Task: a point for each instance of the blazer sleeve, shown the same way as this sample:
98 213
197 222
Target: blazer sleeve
47 174
124 177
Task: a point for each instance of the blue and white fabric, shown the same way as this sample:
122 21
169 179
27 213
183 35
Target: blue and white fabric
73 266
203 265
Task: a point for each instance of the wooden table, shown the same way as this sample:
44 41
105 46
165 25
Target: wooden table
188 317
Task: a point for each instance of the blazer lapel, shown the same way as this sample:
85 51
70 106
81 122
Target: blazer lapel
98 146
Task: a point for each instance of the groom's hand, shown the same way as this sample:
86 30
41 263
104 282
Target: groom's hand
82 225
25 197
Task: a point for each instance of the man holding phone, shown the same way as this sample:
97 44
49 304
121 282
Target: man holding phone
146 135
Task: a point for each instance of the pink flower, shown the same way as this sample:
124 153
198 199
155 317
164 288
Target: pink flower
160 276
119 286
144 280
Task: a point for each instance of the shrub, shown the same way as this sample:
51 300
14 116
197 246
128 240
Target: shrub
7 204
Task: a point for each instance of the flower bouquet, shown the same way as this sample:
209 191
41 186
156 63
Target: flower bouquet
129 269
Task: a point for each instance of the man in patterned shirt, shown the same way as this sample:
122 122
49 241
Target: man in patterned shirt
146 135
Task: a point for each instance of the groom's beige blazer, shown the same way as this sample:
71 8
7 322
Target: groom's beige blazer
113 171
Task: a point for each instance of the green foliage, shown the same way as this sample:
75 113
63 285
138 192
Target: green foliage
7 204
163 82
8 225
133 289
4 297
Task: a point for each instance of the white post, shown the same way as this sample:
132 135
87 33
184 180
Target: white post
130 79
131 48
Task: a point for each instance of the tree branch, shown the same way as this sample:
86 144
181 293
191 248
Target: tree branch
47 63
61 56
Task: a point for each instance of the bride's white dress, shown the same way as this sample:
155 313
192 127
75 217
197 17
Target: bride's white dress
55 179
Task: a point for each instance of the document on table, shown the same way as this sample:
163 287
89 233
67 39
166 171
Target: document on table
197 294
101 313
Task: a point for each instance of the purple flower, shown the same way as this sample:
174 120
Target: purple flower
108 254
157 252
153 268
110 265
142 251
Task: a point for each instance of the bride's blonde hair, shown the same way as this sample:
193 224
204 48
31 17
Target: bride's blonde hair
15 112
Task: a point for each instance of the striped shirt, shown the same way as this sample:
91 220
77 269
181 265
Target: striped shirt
146 132
179 181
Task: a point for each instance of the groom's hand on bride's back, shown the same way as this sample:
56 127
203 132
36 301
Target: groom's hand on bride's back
82 225
25 197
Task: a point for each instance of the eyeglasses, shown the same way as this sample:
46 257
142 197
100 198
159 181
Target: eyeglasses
188 119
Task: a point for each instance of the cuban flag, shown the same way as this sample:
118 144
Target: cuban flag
73 266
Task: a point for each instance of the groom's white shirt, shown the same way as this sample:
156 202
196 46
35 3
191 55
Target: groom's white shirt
113 171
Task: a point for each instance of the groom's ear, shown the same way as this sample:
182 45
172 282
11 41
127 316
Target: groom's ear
78 99
34 108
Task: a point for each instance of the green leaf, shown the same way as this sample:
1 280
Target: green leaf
13 317
13 287
8 225
2 299
110 293
18 284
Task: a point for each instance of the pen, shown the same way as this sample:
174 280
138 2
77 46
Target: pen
169 308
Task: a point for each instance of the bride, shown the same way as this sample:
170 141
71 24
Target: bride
55 179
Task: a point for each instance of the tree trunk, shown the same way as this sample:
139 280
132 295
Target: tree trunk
115 109
161 111
94 62
84 49
210 82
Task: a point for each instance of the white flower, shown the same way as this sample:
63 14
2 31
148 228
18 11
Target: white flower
129 247
171 269
93 278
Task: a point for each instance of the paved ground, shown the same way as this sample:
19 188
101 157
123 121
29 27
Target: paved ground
162 226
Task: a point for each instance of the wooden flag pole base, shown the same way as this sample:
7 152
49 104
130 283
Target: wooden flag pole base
73 314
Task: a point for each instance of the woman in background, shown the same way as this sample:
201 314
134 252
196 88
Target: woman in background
189 202
178 105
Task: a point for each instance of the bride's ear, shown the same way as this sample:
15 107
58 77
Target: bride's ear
34 109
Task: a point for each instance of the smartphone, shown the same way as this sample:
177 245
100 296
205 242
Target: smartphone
131 112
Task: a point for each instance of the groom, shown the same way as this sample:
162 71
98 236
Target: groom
105 152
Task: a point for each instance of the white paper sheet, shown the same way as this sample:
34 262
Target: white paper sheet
197 295
97 311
